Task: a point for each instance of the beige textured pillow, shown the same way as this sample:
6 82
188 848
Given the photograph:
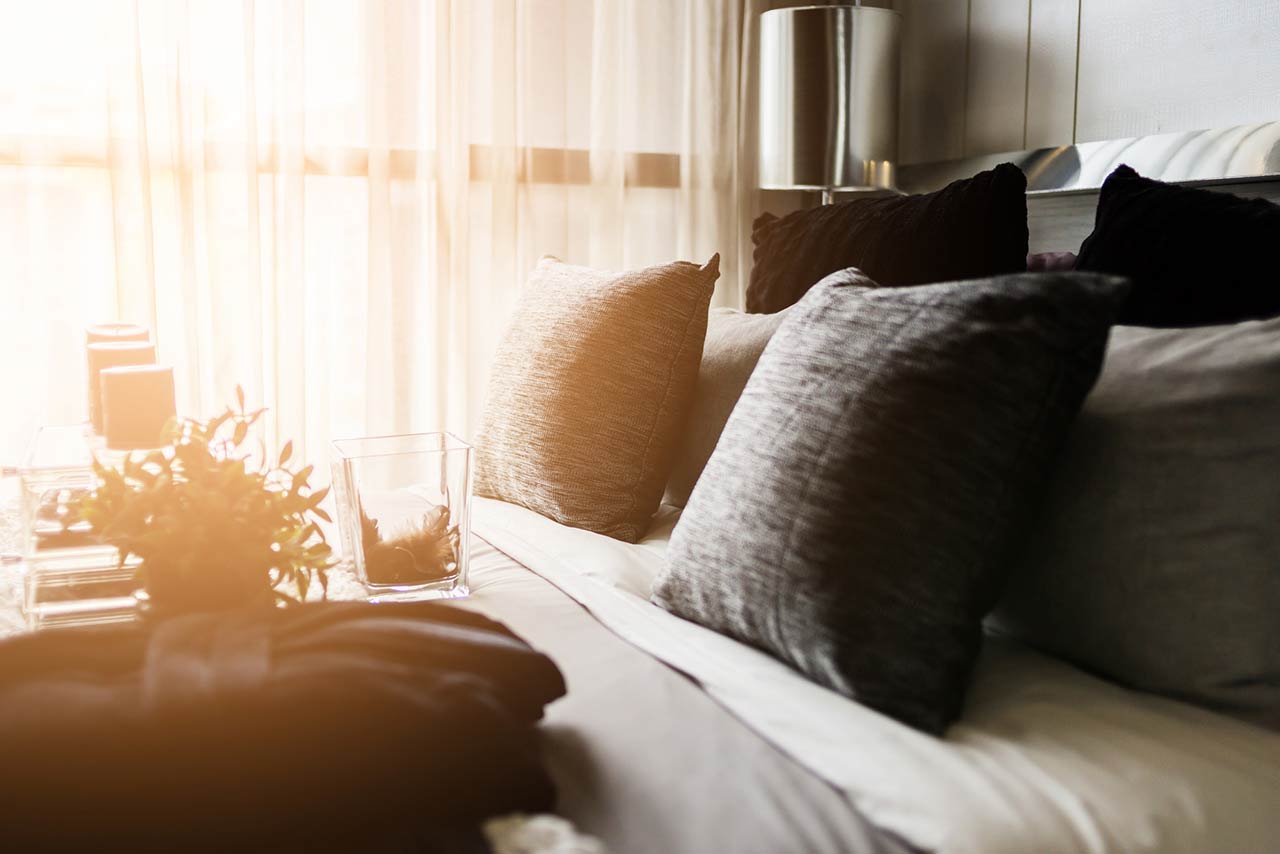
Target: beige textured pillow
590 390
734 343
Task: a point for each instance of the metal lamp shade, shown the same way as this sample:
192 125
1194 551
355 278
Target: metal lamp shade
828 98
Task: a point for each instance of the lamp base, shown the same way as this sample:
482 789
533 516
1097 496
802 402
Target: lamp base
829 194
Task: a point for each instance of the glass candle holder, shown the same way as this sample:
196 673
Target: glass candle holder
404 513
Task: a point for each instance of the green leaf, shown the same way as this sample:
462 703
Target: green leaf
212 426
300 479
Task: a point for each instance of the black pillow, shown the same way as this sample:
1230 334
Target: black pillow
860 510
970 228
1195 257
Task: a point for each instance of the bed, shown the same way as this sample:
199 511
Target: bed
675 736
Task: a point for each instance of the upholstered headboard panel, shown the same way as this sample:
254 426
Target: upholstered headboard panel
1061 221
1063 182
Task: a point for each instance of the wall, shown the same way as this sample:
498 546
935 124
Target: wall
983 76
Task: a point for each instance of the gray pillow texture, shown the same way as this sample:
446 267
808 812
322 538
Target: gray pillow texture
589 392
1156 557
857 515
734 343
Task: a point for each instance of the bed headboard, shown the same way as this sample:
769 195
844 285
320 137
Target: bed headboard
1063 182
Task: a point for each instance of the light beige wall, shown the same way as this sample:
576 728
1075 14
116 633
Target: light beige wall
982 76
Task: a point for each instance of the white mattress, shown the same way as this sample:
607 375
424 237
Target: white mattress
1046 758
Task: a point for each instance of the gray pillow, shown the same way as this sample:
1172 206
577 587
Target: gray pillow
734 343
589 392
856 517
1156 558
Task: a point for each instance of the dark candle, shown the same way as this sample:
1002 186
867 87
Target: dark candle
137 402
111 354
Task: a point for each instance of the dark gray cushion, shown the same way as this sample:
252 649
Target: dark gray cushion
1156 558
856 517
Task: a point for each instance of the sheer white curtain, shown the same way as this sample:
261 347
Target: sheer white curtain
334 202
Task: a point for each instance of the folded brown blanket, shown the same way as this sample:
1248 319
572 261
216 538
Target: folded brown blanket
331 726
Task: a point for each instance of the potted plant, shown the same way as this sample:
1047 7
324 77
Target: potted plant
210 528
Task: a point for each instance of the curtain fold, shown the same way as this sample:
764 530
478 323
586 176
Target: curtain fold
711 158
334 203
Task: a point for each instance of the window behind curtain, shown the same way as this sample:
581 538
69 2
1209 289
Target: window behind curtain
331 203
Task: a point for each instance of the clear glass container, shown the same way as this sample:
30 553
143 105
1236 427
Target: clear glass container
67 590
404 513
69 576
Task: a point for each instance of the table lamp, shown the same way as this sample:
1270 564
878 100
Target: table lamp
828 98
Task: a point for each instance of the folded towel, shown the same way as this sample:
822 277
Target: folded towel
300 729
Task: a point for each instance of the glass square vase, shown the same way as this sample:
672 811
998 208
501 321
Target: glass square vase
404 513
69 576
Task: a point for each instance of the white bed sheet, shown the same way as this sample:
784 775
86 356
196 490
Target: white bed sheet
1046 758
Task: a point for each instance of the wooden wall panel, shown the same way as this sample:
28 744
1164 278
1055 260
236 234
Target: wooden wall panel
932 100
1051 73
1157 66
995 115
983 76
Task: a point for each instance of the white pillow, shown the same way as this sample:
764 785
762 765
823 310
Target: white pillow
1156 559
732 347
